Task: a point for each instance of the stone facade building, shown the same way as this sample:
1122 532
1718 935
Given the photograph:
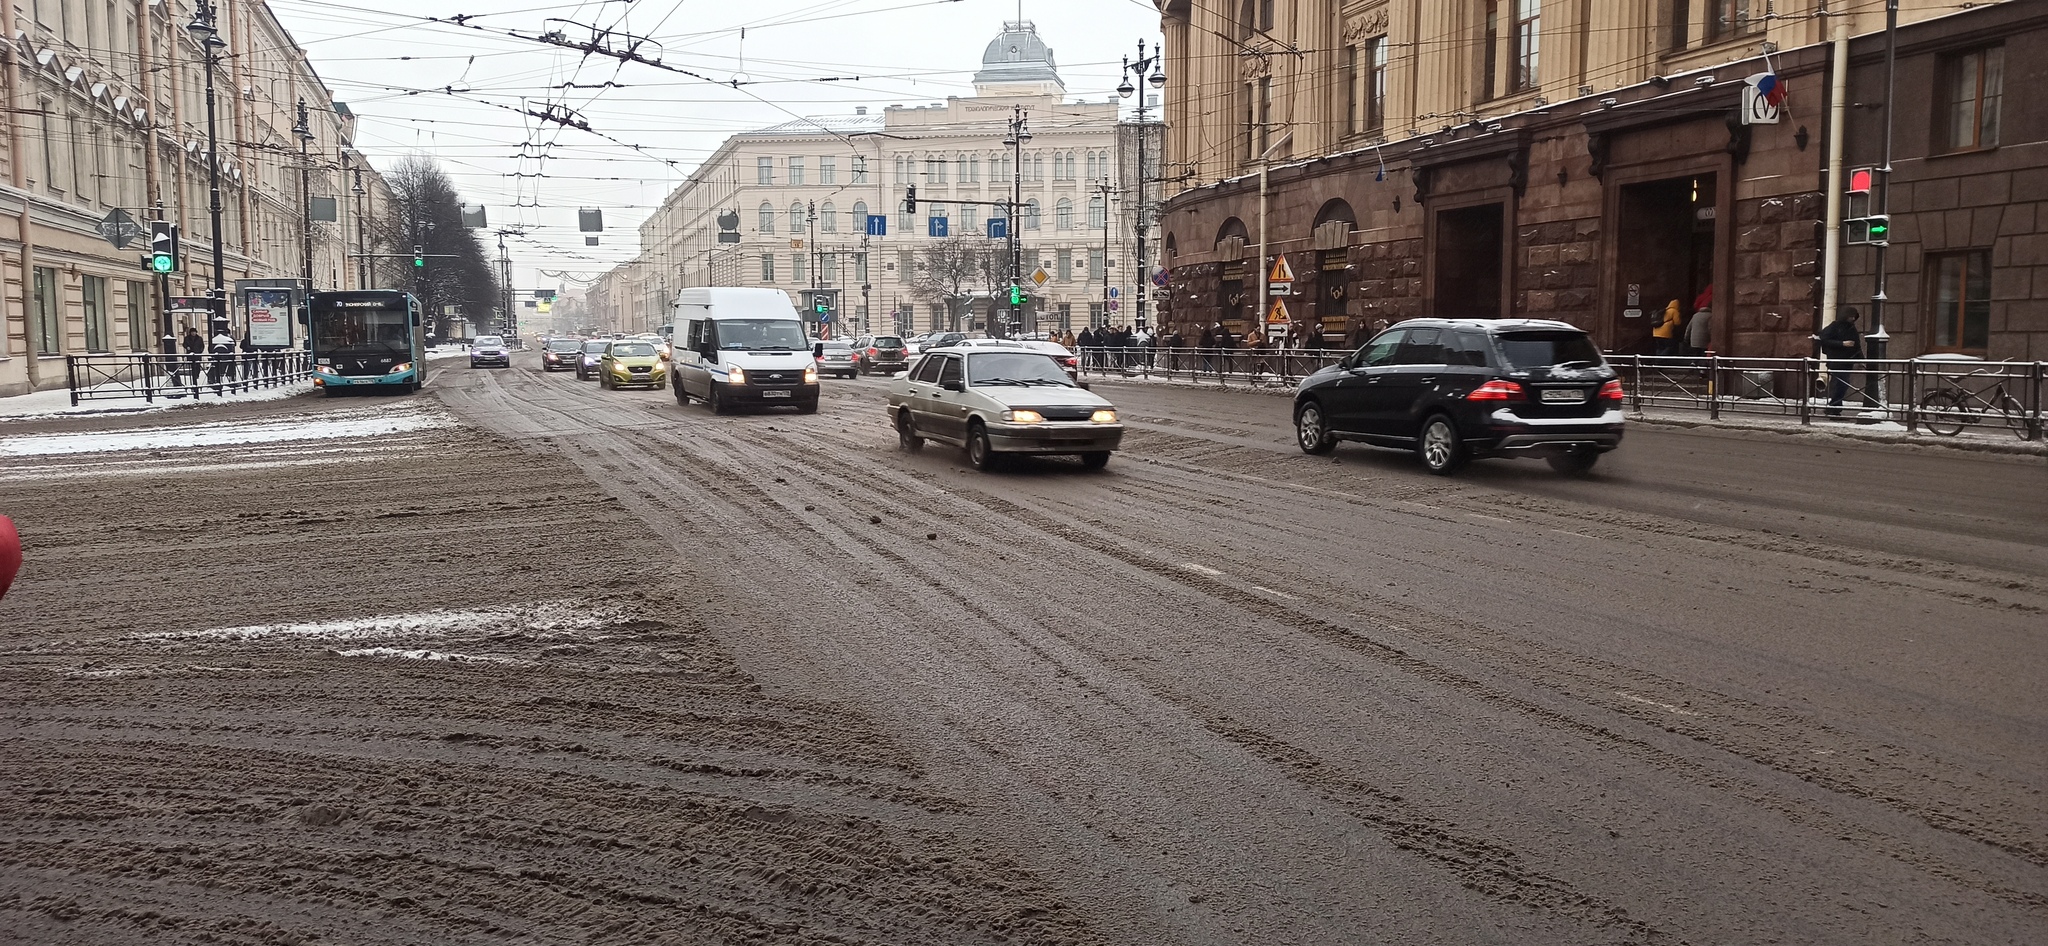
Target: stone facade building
1589 161
802 191
106 110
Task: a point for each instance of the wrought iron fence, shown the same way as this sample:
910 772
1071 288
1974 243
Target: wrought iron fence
146 375
1940 394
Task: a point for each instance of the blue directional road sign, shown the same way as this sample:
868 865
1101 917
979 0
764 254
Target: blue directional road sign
1112 292
998 228
878 225
938 226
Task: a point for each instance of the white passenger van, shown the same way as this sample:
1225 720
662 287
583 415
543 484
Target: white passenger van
742 347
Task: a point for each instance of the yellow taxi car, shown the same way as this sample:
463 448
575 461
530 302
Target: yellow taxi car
632 363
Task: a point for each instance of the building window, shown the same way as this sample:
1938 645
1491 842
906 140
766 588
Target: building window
828 170
1096 264
1973 86
96 328
970 219
1064 260
767 267
974 169
1681 24
1352 75
1031 214
1066 311
960 168
138 325
767 224
860 216
1489 44
1098 213
828 218
1528 43
1249 119
48 328
1063 215
904 221
828 267
799 267
860 169
764 170
1729 19
1375 85
796 217
860 268
1962 301
796 172
1254 16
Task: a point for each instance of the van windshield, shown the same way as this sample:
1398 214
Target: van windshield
761 335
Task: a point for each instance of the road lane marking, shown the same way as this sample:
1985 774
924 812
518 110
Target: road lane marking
1676 711
1488 518
1581 535
1201 569
1277 594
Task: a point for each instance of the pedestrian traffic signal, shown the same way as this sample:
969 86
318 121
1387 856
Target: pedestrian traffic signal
163 247
1874 230
910 199
822 306
419 260
1016 296
1859 180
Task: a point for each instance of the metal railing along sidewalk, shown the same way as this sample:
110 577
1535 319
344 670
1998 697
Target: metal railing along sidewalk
1260 367
145 375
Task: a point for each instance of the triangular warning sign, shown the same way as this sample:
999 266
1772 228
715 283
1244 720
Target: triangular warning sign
1278 313
1281 271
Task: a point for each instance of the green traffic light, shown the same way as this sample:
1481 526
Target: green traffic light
160 263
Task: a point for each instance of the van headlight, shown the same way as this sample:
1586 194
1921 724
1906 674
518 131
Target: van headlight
810 374
736 375
1102 417
1024 417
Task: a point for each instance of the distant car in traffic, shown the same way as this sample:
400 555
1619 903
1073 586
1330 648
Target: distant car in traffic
884 354
593 352
1456 389
560 354
942 339
997 400
835 358
632 363
1057 352
489 351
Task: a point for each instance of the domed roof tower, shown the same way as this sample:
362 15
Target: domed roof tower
1017 62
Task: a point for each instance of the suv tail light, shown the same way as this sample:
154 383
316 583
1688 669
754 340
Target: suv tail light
872 353
1496 391
1611 391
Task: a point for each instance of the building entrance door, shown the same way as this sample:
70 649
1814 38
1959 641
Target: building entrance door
1665 251
1468 262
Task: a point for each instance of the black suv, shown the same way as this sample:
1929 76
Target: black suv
1455 389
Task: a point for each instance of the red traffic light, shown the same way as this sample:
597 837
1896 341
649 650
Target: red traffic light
1859 180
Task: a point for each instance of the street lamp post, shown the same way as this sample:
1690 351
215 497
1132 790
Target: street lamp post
1137 69
304 130
362 236
1019 134
203 29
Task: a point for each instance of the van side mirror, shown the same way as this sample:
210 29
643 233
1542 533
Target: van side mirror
818 350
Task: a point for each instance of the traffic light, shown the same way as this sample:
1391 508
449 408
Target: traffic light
1874 230
419 260
910 199
163 247
1859 181
822 306
1016 296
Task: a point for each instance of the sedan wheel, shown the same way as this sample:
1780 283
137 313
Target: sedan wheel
1309 431
906 435
980 452
1442 453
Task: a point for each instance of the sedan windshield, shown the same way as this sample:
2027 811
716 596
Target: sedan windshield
594 348
564 344
1525 350
761 335
489 341
1020 368
632 350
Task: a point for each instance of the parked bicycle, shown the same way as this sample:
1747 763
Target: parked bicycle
1949 408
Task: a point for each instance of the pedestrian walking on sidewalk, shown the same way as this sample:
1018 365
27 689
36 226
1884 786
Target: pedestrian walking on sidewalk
1841 343
223 349
1665 335
1699 332
195 350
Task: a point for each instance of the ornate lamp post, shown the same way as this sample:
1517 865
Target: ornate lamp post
1137 69
1020 133
203 30
304 130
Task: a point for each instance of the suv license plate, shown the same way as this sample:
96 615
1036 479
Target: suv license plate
1563 396
775 394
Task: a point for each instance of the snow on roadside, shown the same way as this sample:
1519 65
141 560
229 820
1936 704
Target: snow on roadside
57 402
340 424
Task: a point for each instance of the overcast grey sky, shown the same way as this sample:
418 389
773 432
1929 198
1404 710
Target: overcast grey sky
382 56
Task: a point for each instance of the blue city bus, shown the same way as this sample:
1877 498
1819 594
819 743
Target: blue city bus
369 339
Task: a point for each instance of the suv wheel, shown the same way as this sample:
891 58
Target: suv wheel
906 435
1309 430
1441 451
979 451
1575 460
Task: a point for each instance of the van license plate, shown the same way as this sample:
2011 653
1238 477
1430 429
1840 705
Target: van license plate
775 394
1563 396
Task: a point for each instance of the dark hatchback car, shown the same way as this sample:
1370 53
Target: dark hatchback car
561 354
1456 389
884 353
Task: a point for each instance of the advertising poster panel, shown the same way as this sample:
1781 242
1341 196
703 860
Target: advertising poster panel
270 317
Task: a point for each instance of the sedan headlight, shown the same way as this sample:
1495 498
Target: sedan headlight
1024 417
1102 417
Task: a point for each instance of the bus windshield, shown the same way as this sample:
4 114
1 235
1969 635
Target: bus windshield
381 330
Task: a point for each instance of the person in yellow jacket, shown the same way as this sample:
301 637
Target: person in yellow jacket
1667 331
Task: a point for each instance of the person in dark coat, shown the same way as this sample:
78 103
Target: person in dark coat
223 350
1841 343
249 358
195 347
1087 343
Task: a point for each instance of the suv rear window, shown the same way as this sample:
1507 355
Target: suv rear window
887 341
1524 350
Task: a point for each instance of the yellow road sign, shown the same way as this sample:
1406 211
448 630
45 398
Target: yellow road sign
1281 271
1278 313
